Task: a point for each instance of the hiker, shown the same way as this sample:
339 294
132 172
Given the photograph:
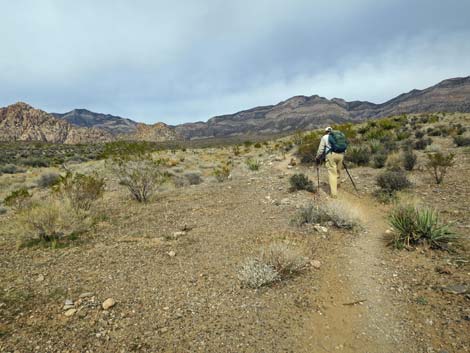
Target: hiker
331 150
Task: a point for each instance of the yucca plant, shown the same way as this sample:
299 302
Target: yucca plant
415 226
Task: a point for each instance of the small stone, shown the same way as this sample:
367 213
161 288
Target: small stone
289 167
388 231
68 302
315 264
320 228
176 235
86 295
67 307
70 312
40 278
108 303
171 253
163 330
457 289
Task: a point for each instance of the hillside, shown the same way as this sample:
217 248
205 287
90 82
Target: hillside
21 122
300 112
113 124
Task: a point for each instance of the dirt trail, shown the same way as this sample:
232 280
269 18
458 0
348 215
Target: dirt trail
352 272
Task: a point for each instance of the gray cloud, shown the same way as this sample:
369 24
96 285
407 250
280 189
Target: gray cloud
189 60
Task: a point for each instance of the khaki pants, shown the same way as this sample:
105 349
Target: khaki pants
334 163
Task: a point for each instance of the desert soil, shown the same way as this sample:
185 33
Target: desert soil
181 293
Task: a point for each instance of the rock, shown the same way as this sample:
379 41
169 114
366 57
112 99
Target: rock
40 278
70 312
178 234
163 330
285 201
315 264
68 302
457 289
444 270
320 228
289 167
108 303
388 231
68 307
86 295
171 253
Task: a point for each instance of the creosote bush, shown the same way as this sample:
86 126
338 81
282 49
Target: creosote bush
301 182
276 262
413 226
82 190
378 161
222 173
438 163
140 175
358 155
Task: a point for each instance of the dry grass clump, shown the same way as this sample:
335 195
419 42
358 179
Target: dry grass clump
276 262
333 212
52 219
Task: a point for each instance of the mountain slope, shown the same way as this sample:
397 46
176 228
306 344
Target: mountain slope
21 122
113 124
300 112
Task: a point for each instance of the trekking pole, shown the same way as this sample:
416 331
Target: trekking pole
349 175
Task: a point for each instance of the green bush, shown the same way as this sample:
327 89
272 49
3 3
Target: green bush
253 164
421 144
378 161
222 173
391 181
409 159
335 212
358 155
461 141
301 182
82 190
36 162
18 199
419 134
438 163
140 175
414 226
10 169
48 180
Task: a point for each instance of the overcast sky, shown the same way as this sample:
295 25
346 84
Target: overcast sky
179 61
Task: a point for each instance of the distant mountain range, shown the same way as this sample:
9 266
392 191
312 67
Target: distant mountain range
22 122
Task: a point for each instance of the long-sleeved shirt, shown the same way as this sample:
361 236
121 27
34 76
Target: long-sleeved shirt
324 145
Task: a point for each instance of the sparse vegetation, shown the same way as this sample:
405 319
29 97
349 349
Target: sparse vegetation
140 175
301 182
18 199
438 163
409 159
82 190
222 173
359 155
334 212
253 164
461 141
276 262
47 180
391 181
413 226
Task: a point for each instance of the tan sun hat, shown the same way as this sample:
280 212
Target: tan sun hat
328 129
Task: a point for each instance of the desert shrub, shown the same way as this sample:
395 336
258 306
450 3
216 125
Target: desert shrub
301 182
253 164
236 150
36 162
347 129
276 262
51 220
193 178
413 226
284 259
409 159
222 173
462 141
10 169
335 212
387 124
438 163
48 180
422 143
391 181
375 146
419 134
3 210
358 155
18 199
140 175
82 190
378 161
255 274
257 145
